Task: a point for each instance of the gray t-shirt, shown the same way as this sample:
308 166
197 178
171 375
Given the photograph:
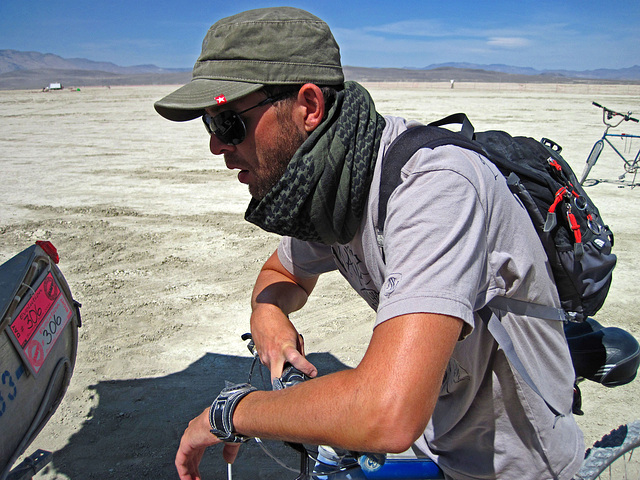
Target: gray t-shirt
455 237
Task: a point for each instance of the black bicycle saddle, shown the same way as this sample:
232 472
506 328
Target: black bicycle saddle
607 355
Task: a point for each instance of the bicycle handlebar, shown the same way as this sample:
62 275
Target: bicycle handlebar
612 113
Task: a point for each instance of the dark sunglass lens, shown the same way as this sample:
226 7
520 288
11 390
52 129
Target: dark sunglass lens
206 119
229 127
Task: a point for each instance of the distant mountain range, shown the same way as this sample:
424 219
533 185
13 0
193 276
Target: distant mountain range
29 70
631 73
13 60
34 70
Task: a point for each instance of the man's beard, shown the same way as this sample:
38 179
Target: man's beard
275 158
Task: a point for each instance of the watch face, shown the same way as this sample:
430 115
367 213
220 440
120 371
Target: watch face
217 414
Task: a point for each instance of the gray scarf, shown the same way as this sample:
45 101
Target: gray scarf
322 195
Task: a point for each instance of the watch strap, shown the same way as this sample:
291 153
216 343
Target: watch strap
221 412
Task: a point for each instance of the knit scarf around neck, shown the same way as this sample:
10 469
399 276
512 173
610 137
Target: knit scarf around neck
323 193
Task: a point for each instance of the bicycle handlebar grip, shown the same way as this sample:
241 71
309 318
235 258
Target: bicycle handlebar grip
251 345
290 376
612 113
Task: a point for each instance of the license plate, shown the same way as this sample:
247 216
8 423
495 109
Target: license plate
40 320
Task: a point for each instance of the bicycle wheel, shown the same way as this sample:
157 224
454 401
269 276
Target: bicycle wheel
592 159
613 456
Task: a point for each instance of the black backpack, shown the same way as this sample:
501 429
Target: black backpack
576 240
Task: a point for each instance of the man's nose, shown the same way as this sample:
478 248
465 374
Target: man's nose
218 147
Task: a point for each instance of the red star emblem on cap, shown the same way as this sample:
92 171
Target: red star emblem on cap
221 99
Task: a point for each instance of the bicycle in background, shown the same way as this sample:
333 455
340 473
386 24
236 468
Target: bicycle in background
612 119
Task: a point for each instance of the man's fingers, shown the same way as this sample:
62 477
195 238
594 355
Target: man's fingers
230 452
306 367
291 353
187 464
276 369
300 362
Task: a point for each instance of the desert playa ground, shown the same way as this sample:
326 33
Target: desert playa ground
150 231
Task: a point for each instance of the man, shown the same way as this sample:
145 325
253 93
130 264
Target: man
269 86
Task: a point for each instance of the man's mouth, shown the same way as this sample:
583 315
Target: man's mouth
243 176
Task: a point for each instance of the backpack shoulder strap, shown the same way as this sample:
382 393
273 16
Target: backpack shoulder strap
502 337
404 147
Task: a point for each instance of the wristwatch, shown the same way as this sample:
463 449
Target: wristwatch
221 412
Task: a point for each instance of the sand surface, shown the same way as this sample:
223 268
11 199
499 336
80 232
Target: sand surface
150 230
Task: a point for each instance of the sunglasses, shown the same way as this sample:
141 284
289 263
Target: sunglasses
228 125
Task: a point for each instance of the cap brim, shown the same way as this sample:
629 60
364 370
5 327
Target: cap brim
189 101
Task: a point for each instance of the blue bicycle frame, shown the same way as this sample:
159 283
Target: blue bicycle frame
629 164
371 467
612 119
406 469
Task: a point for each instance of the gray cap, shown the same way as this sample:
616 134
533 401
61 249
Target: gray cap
244 52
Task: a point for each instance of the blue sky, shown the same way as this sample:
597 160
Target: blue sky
577 35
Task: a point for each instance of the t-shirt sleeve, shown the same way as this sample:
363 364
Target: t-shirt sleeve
305 259
435 243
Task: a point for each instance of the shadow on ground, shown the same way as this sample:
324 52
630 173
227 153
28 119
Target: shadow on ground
136 427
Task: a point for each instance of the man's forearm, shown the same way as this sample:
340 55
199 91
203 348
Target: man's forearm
382 405
328 410
276 286
276 294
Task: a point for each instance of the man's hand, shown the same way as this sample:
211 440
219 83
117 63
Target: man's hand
278 342
195 440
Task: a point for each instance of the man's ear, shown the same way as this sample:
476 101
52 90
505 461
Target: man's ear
310 106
